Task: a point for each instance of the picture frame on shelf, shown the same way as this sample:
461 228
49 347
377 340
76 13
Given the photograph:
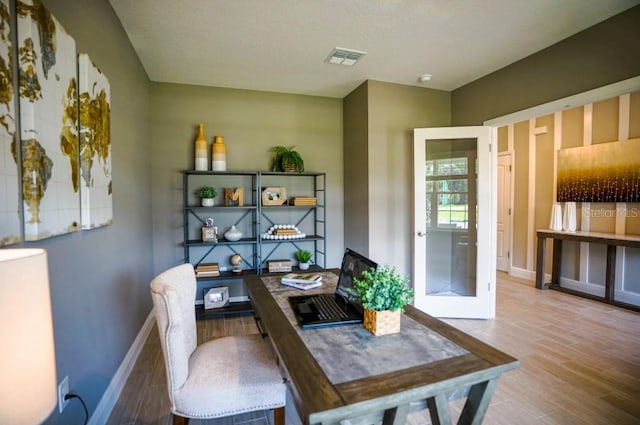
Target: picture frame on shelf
274 196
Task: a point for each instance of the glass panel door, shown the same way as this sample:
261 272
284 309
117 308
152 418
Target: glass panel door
453 222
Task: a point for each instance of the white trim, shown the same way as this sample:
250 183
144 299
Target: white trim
510 138
557 144
585 222
606 92
523 274
110 397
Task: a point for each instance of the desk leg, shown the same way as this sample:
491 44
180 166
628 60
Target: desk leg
396 416
540 263
439 410
477 402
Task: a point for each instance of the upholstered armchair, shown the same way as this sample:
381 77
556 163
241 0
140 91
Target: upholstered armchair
223 377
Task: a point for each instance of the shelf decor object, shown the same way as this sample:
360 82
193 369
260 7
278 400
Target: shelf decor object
218 154
28 389
233 197
209 231
233 234
201 159
274 196
48 100
287 159
569 220
556 218
95 145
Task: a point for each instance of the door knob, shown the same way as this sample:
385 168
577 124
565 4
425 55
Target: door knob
422 233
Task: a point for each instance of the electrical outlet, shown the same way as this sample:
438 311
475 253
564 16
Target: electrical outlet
63 390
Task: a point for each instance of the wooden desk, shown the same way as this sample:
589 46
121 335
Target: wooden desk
610 239
364 392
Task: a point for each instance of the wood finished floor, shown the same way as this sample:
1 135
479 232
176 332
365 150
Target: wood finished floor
580 364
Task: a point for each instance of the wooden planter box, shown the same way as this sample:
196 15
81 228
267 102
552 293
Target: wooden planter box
382 322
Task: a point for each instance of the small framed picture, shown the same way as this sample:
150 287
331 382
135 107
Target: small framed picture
274 196
210 234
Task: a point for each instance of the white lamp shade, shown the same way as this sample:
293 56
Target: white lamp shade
28 390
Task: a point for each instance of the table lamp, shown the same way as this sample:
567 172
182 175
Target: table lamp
28 390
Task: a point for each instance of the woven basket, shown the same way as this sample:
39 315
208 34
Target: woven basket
382 322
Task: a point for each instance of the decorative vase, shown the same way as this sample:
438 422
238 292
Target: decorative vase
382 322
569 221
207 202
219 154
201 162
233 234
556 218
303 266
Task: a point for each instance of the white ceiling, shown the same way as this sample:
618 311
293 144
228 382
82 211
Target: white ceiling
282 45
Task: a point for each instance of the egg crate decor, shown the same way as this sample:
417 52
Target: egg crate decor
283 232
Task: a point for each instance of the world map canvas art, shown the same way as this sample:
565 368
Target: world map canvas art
95 145
9 182
49 119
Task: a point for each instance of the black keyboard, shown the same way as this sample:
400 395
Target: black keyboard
328 307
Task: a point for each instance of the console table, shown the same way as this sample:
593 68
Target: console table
611 240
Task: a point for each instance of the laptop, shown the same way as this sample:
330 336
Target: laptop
340 308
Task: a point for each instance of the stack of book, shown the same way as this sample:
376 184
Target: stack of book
207 270
302 280
304 200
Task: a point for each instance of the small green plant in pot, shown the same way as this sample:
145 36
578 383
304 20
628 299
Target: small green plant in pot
287 159
304 257
207 193
384 293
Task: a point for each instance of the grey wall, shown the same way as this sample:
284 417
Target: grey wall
100 278
600 55
251 122
384 136
356 169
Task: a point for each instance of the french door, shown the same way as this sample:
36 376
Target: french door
455 214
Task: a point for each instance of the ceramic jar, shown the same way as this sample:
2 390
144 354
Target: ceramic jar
233 234
201 160
218 154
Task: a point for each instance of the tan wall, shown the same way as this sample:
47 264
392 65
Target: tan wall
251 123
521 193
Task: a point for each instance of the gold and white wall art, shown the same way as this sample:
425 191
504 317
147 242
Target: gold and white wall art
49 123
95 145
10 220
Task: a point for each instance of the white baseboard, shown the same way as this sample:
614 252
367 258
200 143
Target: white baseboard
523 273
110 397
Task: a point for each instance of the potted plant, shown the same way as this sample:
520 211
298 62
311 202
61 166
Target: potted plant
207 193
383 293
287 159
303 256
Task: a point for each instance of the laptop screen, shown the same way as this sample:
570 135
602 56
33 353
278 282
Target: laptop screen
353 264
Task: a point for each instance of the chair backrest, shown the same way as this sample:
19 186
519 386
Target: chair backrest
173 293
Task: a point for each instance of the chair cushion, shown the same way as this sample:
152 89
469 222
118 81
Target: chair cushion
228 376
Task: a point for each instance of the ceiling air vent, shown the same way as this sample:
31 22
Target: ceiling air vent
347 57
